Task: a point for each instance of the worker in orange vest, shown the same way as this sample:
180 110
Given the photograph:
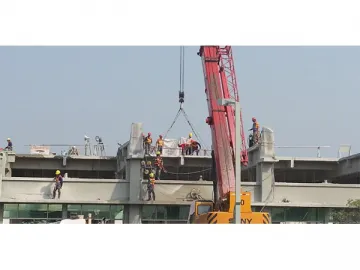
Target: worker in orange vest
195 147
151 187
256 130
159 165
160 144
147 143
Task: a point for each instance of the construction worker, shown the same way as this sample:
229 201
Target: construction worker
151 187
188 146
256 130
73 151
9 146
147 143
159 165
58 184
147 169
183 148
195 147
160 144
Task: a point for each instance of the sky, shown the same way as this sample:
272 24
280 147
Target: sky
56 95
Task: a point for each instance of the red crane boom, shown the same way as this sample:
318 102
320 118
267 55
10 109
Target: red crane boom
220 83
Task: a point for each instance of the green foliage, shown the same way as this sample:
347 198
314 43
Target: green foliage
349 215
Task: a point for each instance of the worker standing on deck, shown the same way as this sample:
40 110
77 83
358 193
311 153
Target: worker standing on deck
160 144
147 144
189 142
9 146
256 130
58 184
159 166
151 187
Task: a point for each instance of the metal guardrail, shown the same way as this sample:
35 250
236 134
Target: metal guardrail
177 152
306 147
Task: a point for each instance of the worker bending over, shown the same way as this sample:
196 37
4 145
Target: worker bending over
73 151
151 187
9 146
195 147
159 166
58 184
256 131
147 144
160 144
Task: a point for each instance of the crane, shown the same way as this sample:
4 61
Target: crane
220 83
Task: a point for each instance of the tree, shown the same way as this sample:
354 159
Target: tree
348 215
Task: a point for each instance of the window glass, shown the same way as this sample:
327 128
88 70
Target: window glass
55 211
298 214
148 212
277 214
202 209
117 212
173 212
10 210
97 211
32 210
160 212
184 212
176 212
73 210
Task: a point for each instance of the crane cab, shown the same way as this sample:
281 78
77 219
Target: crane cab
205 212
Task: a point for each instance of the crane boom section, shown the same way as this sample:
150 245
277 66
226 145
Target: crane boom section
221 141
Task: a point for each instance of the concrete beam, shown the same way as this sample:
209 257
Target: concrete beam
76 164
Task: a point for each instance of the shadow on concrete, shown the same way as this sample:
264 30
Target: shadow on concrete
46 191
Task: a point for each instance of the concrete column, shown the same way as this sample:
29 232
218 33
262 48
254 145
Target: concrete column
265 176
265 179
1 213
134 176
64 211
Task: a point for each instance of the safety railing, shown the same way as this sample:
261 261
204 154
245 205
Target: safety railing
318 148
177 152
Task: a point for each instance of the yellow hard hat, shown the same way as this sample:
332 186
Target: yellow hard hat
190 135
151 175
57 172
148 163
158 153
8 139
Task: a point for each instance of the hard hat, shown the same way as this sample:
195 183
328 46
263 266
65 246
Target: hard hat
57 172
158 153
151 175
148 163
8 139
253 119
149 134
190 135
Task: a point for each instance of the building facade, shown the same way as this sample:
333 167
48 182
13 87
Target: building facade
301 190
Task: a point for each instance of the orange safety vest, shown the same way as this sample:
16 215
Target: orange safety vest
148 140
152 181
160 142
158 162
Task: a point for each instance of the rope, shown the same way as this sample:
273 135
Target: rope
205 170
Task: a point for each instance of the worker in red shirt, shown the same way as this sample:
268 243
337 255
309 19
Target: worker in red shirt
160 144
147 141
256 130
